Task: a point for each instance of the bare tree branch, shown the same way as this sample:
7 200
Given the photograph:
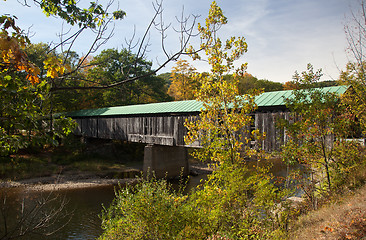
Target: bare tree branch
36 217
185 34
355 31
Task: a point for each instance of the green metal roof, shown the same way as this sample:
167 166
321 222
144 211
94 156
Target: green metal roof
278 98
266 99
150 108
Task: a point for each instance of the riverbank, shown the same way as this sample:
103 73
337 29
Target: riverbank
62 182
345 218
85 179
78 165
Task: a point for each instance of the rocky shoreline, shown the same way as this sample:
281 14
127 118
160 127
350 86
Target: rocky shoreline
77 180
54 183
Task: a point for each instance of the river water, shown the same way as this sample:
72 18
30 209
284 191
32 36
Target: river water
83 205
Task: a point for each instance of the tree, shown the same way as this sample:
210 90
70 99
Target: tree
290 85
248 82
221 127
111 65
137 47
25 86
268 86
73 14
107 67
61 71
13 58
22 112
356 33
316 132
98 19
293 85
11 46
315 113
233 203
32 217
355 73
183 85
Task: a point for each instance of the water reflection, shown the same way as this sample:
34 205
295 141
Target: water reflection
86 206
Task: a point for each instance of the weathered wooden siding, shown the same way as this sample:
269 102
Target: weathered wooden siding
89 127
78 131
163 130
267 122
169 130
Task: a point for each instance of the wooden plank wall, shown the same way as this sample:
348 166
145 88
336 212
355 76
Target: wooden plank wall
170 130
267 122
164 130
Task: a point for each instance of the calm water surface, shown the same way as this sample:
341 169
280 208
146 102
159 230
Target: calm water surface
85 206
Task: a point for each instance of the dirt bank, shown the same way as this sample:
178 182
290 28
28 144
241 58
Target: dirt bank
345 219
66 181
79 179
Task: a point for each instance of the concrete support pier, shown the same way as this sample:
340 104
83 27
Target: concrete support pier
165 161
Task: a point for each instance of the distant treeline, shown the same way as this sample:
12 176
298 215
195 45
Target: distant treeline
182 87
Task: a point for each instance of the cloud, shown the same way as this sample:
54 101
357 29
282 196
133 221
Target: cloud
292 33
283 35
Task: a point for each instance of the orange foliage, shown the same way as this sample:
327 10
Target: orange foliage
289 86
247 75
12 55
184 84
86 63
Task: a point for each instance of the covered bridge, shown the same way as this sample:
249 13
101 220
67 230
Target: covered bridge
162 124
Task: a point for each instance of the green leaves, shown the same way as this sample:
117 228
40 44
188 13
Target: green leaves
317 129
22 115
234 203
149 210
222 126
90 17
25 95
355 99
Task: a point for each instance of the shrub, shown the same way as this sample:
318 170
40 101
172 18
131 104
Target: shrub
234 203
150 210
240 204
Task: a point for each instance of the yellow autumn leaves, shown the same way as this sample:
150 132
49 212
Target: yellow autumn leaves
54 67
13 57
222 126
184 84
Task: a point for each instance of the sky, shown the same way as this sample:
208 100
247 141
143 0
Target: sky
283 36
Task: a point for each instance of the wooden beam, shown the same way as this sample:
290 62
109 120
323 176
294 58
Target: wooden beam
151 139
